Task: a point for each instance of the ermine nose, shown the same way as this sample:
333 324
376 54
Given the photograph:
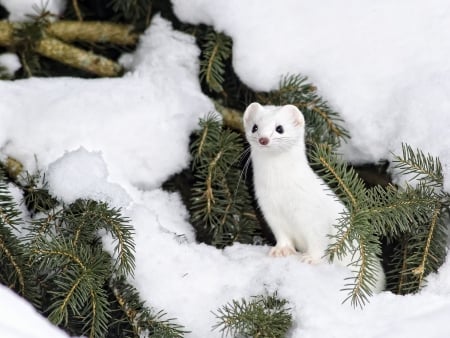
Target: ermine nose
264 141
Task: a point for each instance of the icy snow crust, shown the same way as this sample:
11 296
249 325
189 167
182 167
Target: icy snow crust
134 134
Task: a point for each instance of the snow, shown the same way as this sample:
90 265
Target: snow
118 139
10 62
22 9
383 65
18 319
83 174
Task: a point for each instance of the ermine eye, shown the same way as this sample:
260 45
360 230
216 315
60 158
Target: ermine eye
279 129
255 128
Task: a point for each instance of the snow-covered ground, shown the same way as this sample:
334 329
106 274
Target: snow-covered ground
384 65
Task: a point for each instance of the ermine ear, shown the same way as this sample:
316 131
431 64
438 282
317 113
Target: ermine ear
250 112
296 114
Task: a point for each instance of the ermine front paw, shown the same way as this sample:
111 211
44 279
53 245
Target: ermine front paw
305 258
282 251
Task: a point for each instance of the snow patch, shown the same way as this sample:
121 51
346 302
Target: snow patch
10 62
83 174
18 319
21 10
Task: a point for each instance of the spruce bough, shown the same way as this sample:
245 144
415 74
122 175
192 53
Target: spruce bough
57 262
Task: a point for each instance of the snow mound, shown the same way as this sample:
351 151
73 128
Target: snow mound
10 62
18 319
82 174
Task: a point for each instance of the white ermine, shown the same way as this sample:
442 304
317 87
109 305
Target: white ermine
299 208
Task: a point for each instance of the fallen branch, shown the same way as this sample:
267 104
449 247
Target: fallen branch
51 45
94 32
78 58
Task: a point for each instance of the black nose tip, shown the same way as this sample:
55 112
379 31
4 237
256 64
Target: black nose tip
264 141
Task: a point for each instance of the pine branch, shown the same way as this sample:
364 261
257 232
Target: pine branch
416 165
84 218
423 248
323 124
262 316
421 252
14 272
142 318
216 50
354 235
78 273
133 10
345 181
221 208
35 194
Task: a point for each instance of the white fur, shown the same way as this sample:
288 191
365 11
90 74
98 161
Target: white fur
296 203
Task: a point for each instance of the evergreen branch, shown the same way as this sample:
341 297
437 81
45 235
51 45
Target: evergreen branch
323 124
422 248
425 168
76 8
216 50
419 271
133 10
142 318
84 218
394 212
220 206
232 118
354 234
262 316
98 316
11 259
77 293
366 260
343 237
345 181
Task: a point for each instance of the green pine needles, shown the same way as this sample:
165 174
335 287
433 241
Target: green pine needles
264 316
216 49
14 271
323 124
144 321
412 217
423 248
58 262
221 209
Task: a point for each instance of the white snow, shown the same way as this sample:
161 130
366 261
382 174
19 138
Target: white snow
10 62
20 10
119 139
18 319
83 174
383 65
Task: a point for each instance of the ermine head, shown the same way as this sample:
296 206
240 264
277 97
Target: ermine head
273 128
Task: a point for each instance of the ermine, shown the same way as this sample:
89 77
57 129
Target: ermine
298 206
